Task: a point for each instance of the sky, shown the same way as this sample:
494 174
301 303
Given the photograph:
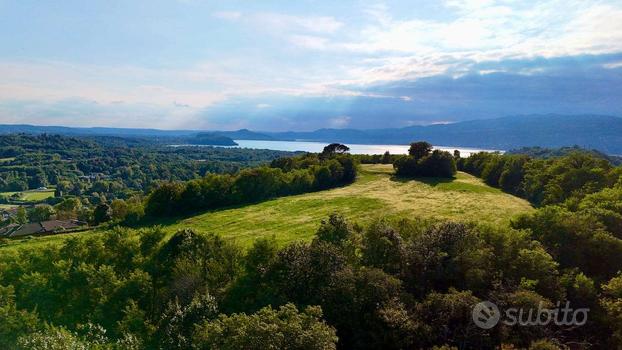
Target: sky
305 64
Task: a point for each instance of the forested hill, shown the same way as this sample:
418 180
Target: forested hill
603 133
128 134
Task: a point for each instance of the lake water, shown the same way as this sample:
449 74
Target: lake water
307 146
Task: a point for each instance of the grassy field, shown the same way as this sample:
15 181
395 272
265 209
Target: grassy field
32 195
375 194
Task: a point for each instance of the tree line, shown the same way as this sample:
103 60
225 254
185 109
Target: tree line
284 176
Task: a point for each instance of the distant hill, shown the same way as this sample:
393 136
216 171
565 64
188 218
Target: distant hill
603 133
206 138
244 134
95 131
135 135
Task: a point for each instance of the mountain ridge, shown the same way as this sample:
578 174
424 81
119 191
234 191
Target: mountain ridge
600 132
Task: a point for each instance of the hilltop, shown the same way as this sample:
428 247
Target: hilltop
375 194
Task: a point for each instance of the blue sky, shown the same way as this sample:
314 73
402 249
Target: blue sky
302 65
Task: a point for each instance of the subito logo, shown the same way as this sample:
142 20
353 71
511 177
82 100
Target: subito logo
486 315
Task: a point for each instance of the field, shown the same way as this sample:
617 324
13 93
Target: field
376 193
32 195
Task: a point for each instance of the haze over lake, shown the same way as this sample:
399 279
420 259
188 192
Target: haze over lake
307 146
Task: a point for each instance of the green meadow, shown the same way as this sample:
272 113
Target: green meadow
375 194
31 196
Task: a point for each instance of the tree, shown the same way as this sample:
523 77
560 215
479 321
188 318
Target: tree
14 322
164 200
383 248
119 209
419 149
177 323
68 209
102 213
335 148
612 305
437 164
41 212
386 158
285 328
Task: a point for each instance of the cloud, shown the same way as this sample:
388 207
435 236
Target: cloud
275 68
340 121
441 98
482 31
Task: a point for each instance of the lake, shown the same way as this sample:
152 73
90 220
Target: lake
307 146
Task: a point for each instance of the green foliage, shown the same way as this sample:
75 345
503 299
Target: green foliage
392 284
333 149
40 213
426 164
544 181
102 213
419 150
285 177
285 328
94 168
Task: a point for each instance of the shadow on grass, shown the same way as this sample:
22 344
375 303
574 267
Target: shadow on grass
431 181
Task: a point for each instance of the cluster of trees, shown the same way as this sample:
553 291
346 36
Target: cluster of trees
422 161
544 181
385 158
543 152
390 285
284 176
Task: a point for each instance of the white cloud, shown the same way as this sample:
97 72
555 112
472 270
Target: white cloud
263 105
480 31
340 121
613 65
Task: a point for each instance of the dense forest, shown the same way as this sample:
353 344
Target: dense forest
125 164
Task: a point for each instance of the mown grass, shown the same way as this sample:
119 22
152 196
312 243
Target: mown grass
31 196
376 193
